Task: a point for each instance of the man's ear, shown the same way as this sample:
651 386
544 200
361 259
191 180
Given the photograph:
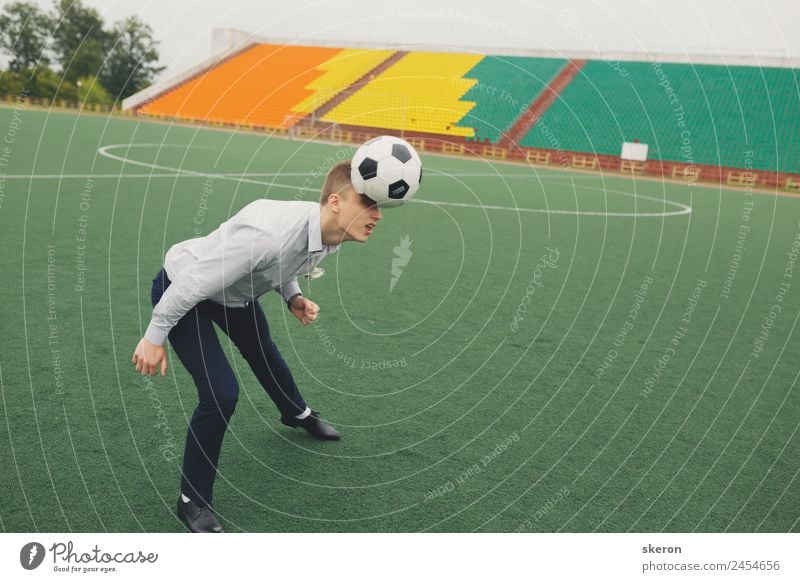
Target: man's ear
335 201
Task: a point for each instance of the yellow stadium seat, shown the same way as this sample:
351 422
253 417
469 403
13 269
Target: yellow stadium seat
340 71
421 92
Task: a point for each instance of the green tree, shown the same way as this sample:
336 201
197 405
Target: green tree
131 62
79 40
90 90
86 61
24 34
11 83
43 83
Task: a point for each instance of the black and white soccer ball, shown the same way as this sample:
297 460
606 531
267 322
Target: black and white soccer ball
387 169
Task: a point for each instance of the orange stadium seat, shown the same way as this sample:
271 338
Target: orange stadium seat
258 87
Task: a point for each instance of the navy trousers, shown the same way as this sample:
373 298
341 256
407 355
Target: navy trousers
195 343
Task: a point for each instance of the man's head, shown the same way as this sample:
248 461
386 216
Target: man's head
346 214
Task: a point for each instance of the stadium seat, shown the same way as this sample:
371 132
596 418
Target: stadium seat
340 71
730 116
258 87
715 116
421 92
505 87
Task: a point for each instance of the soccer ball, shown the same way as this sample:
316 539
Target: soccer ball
386 169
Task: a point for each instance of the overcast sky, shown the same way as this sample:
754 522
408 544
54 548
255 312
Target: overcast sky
715 27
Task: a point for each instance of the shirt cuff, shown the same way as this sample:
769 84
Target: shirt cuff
155 335
289 289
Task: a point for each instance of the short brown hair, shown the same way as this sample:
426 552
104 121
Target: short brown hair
337 180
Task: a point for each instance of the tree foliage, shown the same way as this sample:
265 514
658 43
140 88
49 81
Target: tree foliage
79 40
96 64
131 63
90 90
24 35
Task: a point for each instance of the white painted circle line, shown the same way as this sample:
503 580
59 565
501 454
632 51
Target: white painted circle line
681 209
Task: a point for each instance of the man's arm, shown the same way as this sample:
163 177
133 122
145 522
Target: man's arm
289 290
303 309
238 255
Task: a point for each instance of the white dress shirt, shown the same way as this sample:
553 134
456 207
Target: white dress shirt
262 247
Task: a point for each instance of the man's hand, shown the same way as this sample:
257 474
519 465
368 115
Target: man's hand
304 309
148 356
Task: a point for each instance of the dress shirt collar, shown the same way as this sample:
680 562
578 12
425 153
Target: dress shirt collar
315 233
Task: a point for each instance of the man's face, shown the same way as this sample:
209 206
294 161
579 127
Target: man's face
357 215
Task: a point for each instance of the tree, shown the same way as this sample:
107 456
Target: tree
91 91
85 61
79 40
131 62
43 83
24 33
11 83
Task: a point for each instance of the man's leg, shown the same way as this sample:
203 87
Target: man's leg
195 343
248 329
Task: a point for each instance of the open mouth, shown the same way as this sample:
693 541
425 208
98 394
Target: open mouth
369 227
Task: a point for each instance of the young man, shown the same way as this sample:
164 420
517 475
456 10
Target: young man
218 278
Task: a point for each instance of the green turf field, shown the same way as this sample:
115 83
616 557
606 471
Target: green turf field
615 355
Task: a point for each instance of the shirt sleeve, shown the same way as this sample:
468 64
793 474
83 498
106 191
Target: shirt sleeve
289 289
236 256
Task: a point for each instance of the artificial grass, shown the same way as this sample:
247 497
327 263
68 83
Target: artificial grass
453 418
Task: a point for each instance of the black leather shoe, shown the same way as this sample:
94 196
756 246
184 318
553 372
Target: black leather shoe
198 518
317 427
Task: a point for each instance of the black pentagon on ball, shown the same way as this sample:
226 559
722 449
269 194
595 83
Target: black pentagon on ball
401 152
368 168
398 189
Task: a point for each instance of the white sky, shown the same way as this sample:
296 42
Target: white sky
714 27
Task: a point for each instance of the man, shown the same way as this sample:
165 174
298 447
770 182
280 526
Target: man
218 278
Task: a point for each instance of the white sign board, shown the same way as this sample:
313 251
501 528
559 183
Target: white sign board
636 152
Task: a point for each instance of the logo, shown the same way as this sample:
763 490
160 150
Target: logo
402 255
31 555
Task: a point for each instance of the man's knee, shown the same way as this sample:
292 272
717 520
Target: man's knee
223 404
219 395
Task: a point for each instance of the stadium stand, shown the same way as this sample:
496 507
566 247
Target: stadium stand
539 105
340 72
422 92
700 121
261 86
702 114
505 87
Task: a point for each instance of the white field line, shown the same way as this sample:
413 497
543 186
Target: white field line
170 172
